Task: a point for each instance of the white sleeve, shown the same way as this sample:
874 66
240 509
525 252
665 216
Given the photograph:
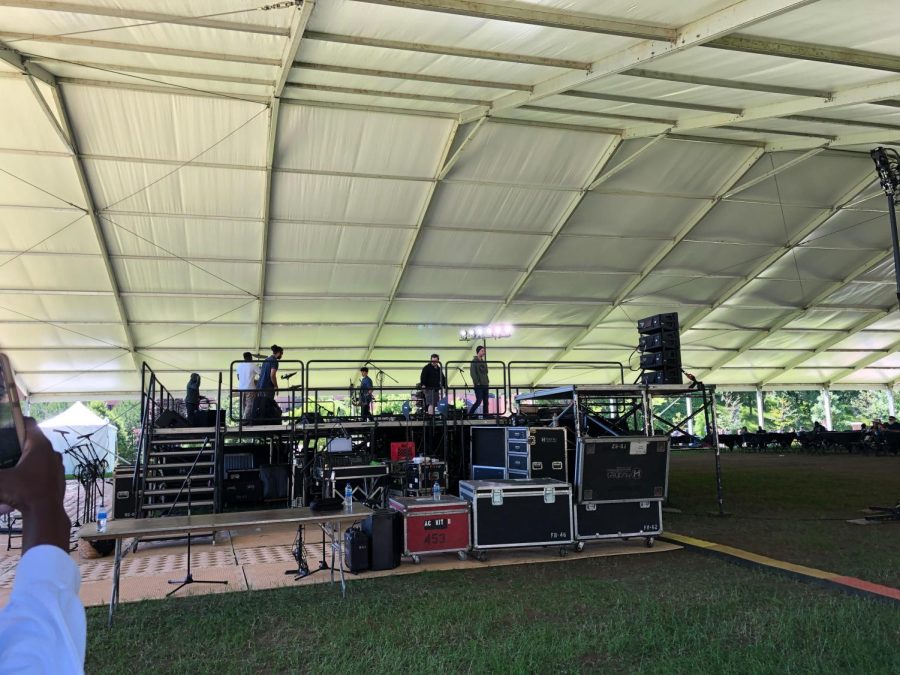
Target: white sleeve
43 628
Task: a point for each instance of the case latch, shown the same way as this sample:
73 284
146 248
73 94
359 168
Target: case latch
497 497
549 495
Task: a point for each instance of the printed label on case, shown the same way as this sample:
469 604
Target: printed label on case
436 524
638 448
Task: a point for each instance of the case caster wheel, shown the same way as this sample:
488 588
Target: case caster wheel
416 559
462 555
480 556
563 551
649 542
579 546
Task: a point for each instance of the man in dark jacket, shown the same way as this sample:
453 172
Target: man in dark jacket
478 369
432 381
365 394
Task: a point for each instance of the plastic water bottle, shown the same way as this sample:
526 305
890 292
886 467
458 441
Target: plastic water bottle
436 491
348 497
101 521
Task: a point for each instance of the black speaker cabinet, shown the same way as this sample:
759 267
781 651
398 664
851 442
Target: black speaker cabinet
169 419
619 468
385 530
123 499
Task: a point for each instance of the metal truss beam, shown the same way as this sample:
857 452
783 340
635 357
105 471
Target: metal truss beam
299 21
381 93
141 48
446 50
726 84
392 74
143 17
722 22
807 52
535 16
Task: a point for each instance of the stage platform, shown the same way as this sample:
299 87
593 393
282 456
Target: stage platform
303 427
257 559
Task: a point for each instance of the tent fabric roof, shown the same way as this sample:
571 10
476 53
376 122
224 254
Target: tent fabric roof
76 415
356 179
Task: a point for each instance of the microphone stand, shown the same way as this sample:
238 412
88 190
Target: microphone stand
380 378
466 383
189 577
68 451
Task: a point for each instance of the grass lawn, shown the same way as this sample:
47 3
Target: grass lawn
676 612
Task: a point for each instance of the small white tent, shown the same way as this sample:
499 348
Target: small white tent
81 427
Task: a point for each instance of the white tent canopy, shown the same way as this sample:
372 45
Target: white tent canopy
358 179
78 421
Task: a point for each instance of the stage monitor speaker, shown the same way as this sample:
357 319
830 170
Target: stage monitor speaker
169 419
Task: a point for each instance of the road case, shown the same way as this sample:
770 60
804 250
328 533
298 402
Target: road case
519 513
622 468
543 454
618 520
431 526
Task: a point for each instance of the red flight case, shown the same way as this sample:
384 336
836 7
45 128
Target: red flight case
431 526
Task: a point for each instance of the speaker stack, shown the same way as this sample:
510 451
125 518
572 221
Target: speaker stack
660 348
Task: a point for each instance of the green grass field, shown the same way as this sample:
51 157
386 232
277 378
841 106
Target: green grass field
678 612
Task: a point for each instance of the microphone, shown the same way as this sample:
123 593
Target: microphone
61 432
288 376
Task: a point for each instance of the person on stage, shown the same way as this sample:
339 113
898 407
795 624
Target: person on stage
433 381
268 374
248 380
192 397
365 394
478 369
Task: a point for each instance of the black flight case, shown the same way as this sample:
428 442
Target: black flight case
620 483
519 513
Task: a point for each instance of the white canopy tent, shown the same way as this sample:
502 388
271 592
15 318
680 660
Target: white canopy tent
78 421
358 179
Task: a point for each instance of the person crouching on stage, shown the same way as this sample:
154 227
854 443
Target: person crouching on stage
433 380
365 394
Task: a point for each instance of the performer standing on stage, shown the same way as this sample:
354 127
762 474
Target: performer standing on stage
432 380
248 380
478 369
268 382
365 394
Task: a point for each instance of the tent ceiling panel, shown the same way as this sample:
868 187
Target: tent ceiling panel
892 361
354 141
364 56
753 223
54 272
860 229
28 360
23 123
161 236
303 337
283 310
630 215
735 319
76 335
465 314
794 340
799 376
681 167
679 289
395 23
861 293
817 264
39 180
809 183
96 381
336 243
724 339
827 319
891 322
344 199
556 314
475 283
167 336
147 276
34 307
832 359
882 272
765 69
726 259
177 128
829 22
600 254
326 278
783 292
309 95
868 339
610 338
512 154
446 247
581 286
868 377
747 375
164 189
493 208
185 361
659 111
426 336
46 231
189 311
391 360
